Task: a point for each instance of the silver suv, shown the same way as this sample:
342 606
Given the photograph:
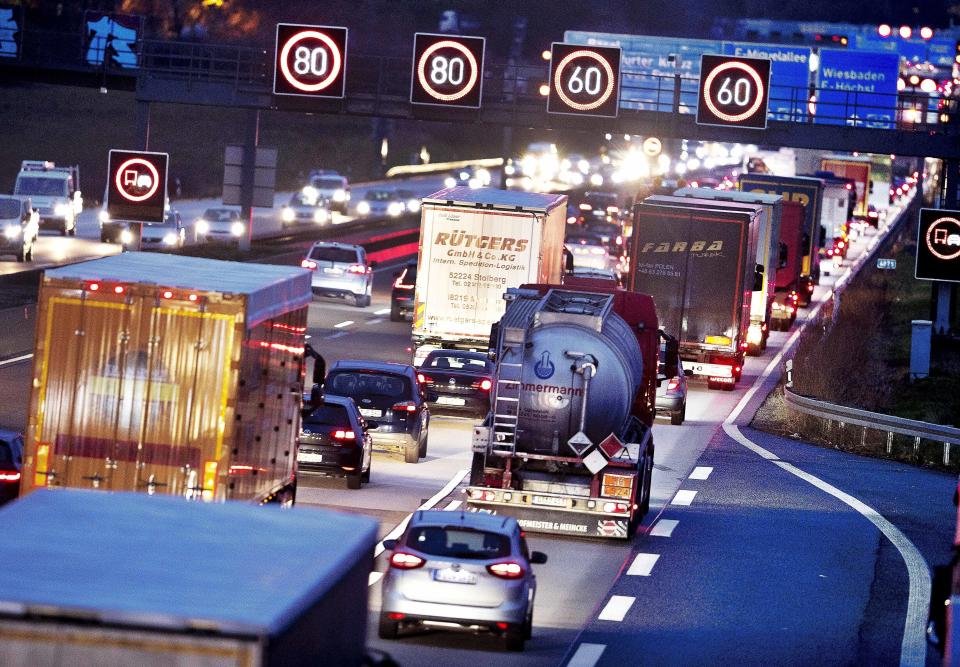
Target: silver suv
340 270
464 568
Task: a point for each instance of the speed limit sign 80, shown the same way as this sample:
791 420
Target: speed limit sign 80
310 61
584 80
447 70
733 91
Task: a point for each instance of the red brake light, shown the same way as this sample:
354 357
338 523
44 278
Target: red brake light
357 268
849 186
167 294
486 384
508 570
9 476
405 561
93 287
341 434
193 297
118 289
309 264
406 406
809 287
673 384
424 379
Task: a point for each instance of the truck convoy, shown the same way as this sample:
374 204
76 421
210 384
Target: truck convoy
122 579
567 447
856 168
761 301
698 262
168 375
474 244
808 192
54 192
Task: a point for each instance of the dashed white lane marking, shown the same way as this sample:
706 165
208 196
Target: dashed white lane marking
343 324
642 565
616 608
16 360
663 528
339 334
375 320
382 311
701 472
454 504
683 497
374 578
587 655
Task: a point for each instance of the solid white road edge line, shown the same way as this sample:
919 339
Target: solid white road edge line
616 608
587 655
683 497
642 565
913 649
663 528
345 323
16 360
701 472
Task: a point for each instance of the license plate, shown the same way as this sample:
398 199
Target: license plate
551 501
333 270
450 400
307 457
370 412
455 576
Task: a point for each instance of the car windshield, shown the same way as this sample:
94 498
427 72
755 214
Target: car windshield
456 363
358 383
332 254
451 542
328 414
220 215
45 187
328 183
9 208
379 195
300 199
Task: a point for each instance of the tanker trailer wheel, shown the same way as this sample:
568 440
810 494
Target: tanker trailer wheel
411 452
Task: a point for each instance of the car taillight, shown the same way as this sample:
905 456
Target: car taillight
619 240
9 476
309 264
673 384
357 268
343 434
508 570
405 406
486 384
405 561
424 379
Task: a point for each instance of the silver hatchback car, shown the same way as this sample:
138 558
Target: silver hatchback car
466 569
340 270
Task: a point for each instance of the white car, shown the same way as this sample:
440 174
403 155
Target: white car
20 225
167 236
219 225
331 187
305 209
381 204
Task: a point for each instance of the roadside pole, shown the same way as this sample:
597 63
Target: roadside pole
248 175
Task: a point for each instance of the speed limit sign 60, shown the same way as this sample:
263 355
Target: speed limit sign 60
447 70
733 91
310 61
584 80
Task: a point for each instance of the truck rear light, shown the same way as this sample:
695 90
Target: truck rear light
93 287
616 486
309 264
404 561
9 476
193 297
209 479
357 268
810 287
343 434
615 508
486 384
166 294
482 494
406 406
508 570
118 289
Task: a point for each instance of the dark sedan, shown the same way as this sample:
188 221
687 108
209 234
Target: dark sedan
11 463
390 396
334 441
461 381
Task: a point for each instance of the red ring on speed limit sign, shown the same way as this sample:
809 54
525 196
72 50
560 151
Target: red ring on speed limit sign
558 73
758 100
153 173
334 55
424 80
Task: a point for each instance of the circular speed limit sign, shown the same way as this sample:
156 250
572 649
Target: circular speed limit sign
310 60
733 91
447 70
584 80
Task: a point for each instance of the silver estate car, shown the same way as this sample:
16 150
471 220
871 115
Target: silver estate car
340 270
469 569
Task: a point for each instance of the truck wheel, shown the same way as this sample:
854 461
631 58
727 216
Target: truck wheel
514 638
395 314
354 481
387 629
411 452
361 300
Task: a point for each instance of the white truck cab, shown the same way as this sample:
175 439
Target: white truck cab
54 191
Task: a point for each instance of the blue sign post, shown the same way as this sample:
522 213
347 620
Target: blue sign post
857 88
789 76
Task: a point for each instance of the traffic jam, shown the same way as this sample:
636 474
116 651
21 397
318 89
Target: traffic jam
459 374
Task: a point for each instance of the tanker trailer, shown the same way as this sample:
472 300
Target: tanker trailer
567 447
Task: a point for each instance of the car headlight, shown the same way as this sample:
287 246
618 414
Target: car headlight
104 217
202 226
237 229
321 215
475 183
363 208
12 231
287 214
413 205
449 182
126 236
310 192
170 238
61 209
394 209
484 176
340 195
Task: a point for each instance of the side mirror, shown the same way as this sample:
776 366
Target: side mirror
389 545
536 557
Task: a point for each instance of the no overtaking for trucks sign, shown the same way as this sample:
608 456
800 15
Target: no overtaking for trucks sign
137 185
938 245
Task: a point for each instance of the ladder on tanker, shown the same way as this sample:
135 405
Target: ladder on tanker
506 408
